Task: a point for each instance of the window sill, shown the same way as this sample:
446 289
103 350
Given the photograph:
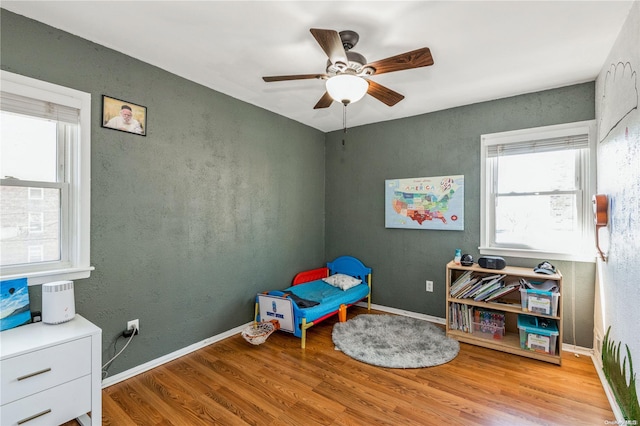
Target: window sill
42 277
536 254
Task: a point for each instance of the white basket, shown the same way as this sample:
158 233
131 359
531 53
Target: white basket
258 332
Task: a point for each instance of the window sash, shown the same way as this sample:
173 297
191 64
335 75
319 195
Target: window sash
549 231
581 218
576 136
65 224
67 135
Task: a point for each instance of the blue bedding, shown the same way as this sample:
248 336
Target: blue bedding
329 297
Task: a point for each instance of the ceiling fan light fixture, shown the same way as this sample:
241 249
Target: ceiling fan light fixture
347 88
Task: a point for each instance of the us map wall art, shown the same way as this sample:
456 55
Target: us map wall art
425 203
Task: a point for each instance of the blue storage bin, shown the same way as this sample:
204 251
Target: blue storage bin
538 334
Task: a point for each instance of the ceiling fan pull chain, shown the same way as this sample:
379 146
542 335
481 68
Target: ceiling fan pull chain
344 122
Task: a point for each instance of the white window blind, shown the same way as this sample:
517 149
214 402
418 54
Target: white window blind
18 104
541 145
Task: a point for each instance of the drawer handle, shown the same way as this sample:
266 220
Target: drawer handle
35 416
46 370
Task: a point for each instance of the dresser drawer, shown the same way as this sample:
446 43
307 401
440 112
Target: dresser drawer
50 407
33 372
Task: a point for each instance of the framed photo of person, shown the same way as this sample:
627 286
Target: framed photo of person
124 116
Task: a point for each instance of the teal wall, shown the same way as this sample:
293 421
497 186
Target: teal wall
441 143
220 200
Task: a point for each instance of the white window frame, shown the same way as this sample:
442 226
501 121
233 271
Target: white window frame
487 207
76 228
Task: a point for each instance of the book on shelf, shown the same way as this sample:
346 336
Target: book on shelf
461 317
476 286
470 319
467 283
462 281
502 291
470 289
487 290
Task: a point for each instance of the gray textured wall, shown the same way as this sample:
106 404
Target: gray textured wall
223 199
220 200
436 144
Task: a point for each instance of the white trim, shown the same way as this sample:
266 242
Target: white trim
577 350
544 132
38 89
63 274
78 173
597 363
436 320
535 254
127 374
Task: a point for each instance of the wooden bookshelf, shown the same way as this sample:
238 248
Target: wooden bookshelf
510 342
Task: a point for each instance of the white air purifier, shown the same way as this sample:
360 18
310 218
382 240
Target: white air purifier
58 302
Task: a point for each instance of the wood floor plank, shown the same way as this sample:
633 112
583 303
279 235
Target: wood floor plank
278 383
139 407
113 414
177 397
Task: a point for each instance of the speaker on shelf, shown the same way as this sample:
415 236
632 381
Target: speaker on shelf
466 260
492 262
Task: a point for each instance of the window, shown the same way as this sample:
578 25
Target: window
536 192
36 194
45 187
36 222
35 253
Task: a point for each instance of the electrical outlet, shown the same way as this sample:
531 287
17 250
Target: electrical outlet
133 324
429 286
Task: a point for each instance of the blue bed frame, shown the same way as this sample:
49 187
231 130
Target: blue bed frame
347 265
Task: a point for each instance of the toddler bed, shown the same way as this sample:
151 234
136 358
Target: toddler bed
316 295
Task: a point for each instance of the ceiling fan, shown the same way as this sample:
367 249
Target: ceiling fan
347 73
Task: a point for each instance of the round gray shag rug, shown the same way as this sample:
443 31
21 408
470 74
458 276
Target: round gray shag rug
394 341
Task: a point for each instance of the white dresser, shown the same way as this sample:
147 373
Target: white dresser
51 374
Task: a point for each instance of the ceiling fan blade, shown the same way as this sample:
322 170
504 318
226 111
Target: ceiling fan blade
293 77
384 94
404 61
324 102
331 43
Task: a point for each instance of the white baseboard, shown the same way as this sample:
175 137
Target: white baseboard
437 320
597 363
127 374
578 350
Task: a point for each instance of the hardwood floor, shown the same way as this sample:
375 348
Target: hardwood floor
277 383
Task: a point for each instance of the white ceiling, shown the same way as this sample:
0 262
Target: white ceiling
482 50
